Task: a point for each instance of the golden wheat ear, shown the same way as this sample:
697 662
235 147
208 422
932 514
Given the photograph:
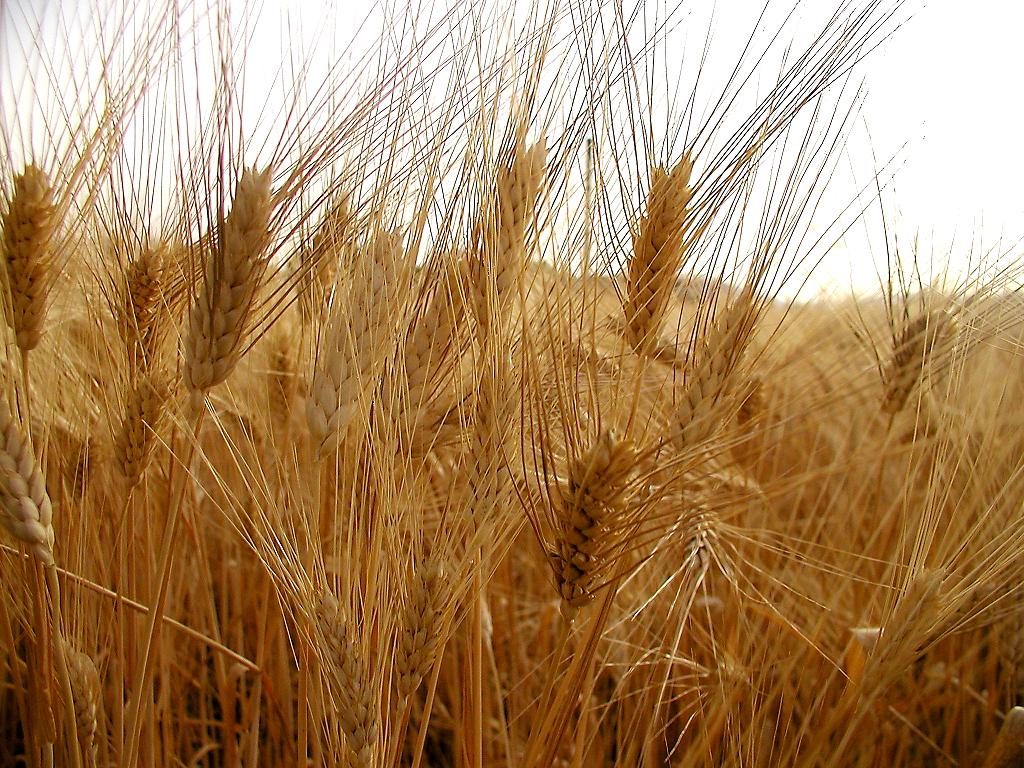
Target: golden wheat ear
657 255
909 628
503 237
141 303
589 510
86 693
134 442
318 267
431 354
27 514
920 339
28 228
421 631
219 318
350 676
357 343
709 376
1008 749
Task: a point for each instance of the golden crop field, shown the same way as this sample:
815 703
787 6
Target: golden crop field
454 409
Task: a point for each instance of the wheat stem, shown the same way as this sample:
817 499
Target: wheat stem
166 557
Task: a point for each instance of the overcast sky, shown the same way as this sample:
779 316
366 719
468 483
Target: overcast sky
951 84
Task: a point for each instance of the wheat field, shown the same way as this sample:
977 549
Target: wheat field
455 409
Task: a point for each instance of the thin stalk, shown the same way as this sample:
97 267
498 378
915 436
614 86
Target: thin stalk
163 571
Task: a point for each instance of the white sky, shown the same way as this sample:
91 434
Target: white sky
949 86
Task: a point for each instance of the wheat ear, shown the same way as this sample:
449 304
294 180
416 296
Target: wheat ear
27 513
319 270
356 343
430 345
422 626
141 303
1008 749
910 356
28 228
909 628
589 508
351 681
218 321
503 240
85 692
134 443
657 255
708 379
